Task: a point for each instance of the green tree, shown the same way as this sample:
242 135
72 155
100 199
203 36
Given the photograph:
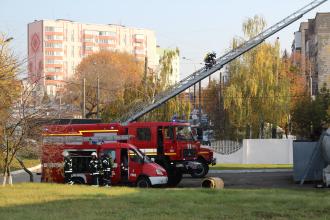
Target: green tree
257 93
159 82
311 116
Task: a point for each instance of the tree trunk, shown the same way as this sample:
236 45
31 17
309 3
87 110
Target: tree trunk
5 173
10 178
4 179
25 169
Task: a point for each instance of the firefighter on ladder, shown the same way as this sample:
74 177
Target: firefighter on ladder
94 169
67 168
209 59
107 164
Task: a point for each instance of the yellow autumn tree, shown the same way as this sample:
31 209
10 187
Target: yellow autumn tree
117 72
257 93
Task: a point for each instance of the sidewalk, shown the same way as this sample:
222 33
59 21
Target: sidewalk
252 171
32 169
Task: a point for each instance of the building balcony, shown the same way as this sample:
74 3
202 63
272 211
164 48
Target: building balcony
53 65
53 33
53 49
48 57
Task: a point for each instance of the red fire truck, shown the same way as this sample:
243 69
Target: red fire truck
170 144
131 166
173 147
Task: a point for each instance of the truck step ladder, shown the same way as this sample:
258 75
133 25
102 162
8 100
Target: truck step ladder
143 108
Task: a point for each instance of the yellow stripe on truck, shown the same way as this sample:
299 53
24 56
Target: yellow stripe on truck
203 152
81 133
170 154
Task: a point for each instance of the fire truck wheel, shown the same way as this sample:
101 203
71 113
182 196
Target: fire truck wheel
201 170
143 182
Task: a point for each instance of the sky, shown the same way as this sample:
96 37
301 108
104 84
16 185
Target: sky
194 26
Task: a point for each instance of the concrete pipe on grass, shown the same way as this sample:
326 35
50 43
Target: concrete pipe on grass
213 183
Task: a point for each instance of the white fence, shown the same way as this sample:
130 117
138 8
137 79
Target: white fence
255 151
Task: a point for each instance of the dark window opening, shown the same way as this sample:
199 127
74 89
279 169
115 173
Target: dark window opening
143 134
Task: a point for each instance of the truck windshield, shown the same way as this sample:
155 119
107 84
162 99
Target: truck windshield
183 133
143 156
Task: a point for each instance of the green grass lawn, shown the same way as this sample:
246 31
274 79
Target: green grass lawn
47 201
16 166
250 166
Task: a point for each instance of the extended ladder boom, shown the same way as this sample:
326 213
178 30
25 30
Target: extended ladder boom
202 73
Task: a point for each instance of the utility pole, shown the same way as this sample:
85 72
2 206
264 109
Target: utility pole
145 70
59 115
98 98
200 101
194 96
220 100
84 98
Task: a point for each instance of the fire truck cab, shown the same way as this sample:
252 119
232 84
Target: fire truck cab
171 144
131 166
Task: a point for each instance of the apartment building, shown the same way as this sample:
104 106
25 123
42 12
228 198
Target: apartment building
56 47
311 50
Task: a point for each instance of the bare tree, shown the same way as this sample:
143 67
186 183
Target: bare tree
21 129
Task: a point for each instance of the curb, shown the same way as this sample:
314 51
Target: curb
22 171
252 171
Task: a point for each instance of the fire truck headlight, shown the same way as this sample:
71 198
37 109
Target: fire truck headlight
159 172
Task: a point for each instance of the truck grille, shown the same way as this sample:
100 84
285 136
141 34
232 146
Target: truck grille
189 153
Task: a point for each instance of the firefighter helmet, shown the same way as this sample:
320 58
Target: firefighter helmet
65 154
94 154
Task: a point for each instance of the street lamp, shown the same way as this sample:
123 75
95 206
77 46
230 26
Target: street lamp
200 90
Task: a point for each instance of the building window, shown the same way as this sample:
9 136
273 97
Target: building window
143 134
53 45
138 44
139 36
54 37
88 48
90 32
107 33
54 69
54 61
139 52
54 53
72 51
106 41
53 29
88 40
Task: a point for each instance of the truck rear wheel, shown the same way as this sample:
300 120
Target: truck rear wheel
201 170
143 182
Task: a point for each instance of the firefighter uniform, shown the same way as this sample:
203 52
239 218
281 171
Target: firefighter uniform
67 168
107 164
94 169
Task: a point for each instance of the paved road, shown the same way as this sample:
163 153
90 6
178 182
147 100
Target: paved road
236 179
23 177
249 180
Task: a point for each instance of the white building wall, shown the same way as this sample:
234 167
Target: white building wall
261 151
